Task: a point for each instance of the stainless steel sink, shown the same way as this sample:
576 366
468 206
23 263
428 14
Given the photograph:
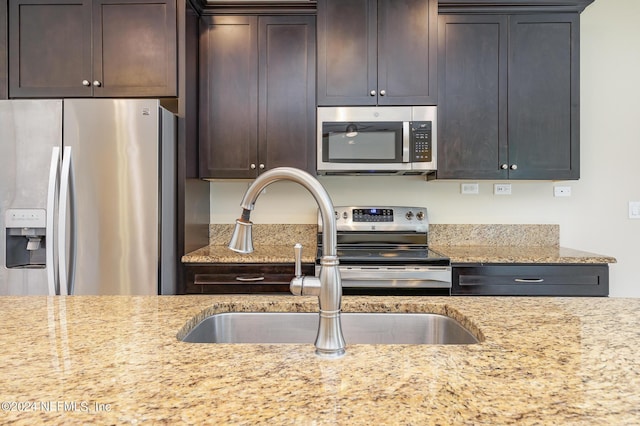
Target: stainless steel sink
358 328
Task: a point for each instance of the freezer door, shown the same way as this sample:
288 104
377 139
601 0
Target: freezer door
29 131
115 164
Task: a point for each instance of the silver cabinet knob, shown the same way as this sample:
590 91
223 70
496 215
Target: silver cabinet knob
504 166
514 167
96 83
261 166
86 83
372 93
383 92
252 166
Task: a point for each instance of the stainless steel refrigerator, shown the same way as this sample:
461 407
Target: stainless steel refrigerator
87 197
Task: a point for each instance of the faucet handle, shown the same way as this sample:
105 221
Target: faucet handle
297 254
301 285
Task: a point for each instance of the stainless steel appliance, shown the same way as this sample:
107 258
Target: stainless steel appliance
384 250
87 193
376 140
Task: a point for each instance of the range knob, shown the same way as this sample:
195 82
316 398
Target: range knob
420 215
409 215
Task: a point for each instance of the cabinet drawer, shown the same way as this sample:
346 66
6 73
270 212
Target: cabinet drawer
530 280
241 278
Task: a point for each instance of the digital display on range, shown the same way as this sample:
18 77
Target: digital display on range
372 215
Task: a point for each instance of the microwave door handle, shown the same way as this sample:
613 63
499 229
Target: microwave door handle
405 141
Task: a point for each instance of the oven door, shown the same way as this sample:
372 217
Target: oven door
372 276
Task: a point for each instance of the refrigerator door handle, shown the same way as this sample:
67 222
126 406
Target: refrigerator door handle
67 194
52 195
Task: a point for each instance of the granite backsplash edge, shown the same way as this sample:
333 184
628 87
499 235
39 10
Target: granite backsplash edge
439 234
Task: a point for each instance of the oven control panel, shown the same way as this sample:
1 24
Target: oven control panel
371 215
373 218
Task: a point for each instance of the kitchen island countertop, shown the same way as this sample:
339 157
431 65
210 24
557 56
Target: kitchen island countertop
116 359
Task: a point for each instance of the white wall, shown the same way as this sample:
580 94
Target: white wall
594 218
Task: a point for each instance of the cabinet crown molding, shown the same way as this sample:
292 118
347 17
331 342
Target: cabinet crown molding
512 6
236 7
262 7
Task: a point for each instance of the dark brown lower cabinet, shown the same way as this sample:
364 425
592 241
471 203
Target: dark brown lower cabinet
530 280
241 278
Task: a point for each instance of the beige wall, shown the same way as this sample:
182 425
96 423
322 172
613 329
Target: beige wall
594 218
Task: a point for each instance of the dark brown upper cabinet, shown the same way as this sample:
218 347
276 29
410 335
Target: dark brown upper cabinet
100 48
508 96
257 95
377 52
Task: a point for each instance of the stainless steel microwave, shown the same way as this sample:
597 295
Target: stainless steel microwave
376 140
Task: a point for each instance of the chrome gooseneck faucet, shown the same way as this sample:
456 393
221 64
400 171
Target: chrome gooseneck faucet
328 287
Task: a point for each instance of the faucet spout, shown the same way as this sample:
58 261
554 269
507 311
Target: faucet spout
329 341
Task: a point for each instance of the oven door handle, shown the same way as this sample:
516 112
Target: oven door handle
442 274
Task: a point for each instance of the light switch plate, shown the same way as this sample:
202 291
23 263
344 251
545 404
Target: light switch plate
469 188
634 209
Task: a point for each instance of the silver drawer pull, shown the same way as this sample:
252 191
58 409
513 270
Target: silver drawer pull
249 279
529 280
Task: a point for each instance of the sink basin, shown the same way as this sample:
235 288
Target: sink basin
358 328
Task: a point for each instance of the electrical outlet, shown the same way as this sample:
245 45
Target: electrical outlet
469 188
501 189
562 191
634 209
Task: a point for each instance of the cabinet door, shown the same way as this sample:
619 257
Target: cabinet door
50 48
472 110
4 88
228 97
347 52
134 48
543 96
286 106
407 52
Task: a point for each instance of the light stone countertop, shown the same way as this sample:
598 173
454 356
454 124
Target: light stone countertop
272 253
457 254
520 254
116 360
519 243
272 244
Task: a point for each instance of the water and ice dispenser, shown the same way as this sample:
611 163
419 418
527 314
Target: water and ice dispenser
26 239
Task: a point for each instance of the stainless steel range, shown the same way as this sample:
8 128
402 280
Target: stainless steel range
384 250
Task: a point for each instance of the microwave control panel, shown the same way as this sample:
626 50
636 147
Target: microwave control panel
420 141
